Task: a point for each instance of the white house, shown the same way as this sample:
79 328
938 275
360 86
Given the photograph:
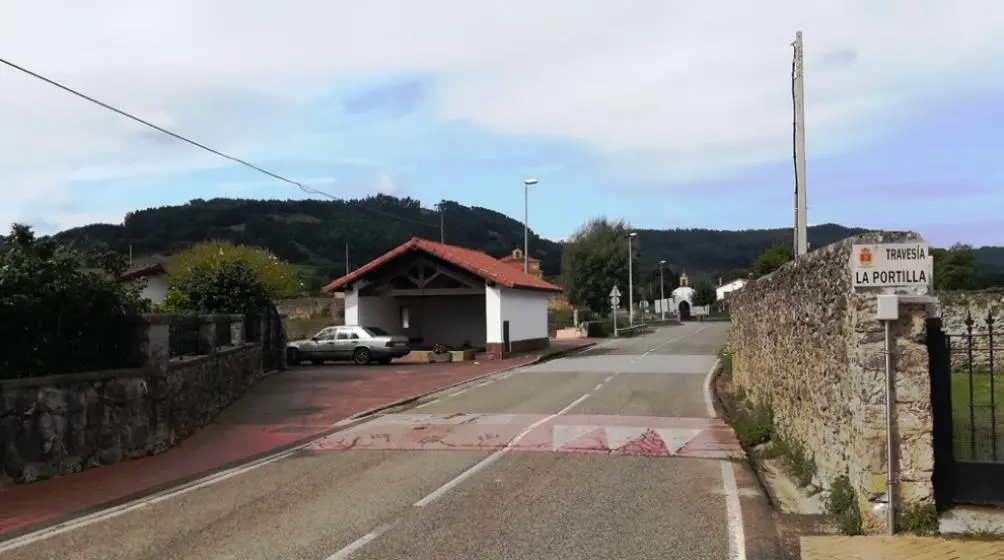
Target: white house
681 301
154 278
435 293
724 290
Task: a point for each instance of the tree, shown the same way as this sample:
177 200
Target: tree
220 277
954 268
704 294
595 259
771 260
56 316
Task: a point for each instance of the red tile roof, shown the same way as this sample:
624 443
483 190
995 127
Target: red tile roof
475 262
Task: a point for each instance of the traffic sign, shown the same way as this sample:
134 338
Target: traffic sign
614 301
614 292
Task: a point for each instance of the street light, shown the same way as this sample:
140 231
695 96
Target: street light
526 220
630 281
662 292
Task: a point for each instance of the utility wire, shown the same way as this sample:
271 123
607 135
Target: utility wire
299 185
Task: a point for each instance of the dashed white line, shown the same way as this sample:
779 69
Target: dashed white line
362 541
598 386
487 461
733 513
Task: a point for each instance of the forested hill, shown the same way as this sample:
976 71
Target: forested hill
314 233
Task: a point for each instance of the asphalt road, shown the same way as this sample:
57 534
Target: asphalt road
535 464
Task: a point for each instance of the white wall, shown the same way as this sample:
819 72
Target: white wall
352 307
732 286
155 289
493 314
526 312
378 311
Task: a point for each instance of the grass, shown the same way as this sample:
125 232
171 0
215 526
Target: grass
966 431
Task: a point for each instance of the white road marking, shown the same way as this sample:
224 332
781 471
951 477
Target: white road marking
709 400
676 438
563 435
494 457
432 402
733 514
489 460
619 436
598 386
362 541
608 379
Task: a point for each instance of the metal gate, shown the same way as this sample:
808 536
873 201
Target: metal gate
966 394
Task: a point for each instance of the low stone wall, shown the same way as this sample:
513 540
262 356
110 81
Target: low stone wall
806 346
62 424
305 308
955 308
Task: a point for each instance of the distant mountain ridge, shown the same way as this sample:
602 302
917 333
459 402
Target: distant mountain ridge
313 234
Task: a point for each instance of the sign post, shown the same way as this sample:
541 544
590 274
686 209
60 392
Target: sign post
890 265
615 299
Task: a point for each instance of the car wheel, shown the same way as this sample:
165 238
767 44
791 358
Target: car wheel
293 357
361 356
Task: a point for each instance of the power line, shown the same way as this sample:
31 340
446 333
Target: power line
299 185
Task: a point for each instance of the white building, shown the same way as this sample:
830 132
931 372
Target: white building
154 278
724 290
435 293
680 302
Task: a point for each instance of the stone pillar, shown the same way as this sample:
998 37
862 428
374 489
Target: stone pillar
237 336
158 340
913 426
207 333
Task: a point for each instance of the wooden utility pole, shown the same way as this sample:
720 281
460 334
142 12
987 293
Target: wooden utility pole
442 224
346 258
798 98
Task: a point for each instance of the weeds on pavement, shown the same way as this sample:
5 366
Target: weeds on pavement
841 502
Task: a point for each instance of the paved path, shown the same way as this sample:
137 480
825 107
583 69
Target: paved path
899 548
613 453
282 410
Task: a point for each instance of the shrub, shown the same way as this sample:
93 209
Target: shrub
58 317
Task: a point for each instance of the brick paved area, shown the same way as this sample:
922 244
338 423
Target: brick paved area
898 548
281 410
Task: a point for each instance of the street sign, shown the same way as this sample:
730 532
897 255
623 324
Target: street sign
889 265
614 301
614 292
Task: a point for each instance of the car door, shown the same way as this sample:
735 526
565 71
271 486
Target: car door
344 343
324 346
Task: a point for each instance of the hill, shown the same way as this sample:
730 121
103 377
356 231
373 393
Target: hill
313 234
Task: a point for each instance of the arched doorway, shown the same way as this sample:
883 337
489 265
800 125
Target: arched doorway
684 311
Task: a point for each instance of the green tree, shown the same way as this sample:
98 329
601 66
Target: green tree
704 294
56 316
221 277
595 259
954 268
771 260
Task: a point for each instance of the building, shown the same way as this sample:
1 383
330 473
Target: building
721 292
556 301
435 293
154 277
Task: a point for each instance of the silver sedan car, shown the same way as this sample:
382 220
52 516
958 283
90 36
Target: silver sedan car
362 345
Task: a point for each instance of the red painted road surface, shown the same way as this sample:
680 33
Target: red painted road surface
281 410
707 438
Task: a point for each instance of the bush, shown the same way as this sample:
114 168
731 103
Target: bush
220 277
841 502
57 317
600 329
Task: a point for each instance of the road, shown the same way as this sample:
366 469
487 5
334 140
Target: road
611 453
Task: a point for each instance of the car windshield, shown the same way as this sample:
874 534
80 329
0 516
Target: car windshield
376 331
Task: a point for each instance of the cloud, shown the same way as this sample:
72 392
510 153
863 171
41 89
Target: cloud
665 90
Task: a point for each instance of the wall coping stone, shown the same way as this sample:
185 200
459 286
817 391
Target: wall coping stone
70 378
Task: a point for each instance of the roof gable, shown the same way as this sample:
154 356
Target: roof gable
475 262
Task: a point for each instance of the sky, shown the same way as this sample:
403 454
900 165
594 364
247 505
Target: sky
663 113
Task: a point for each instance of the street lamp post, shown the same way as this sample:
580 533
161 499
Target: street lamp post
630 281
662 292
526 221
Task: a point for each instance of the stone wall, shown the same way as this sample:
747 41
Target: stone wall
809 348
61 424
304 308
955 308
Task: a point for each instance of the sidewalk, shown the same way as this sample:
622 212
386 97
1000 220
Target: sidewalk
282 410
899 548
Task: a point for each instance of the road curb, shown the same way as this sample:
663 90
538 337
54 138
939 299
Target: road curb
408 400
